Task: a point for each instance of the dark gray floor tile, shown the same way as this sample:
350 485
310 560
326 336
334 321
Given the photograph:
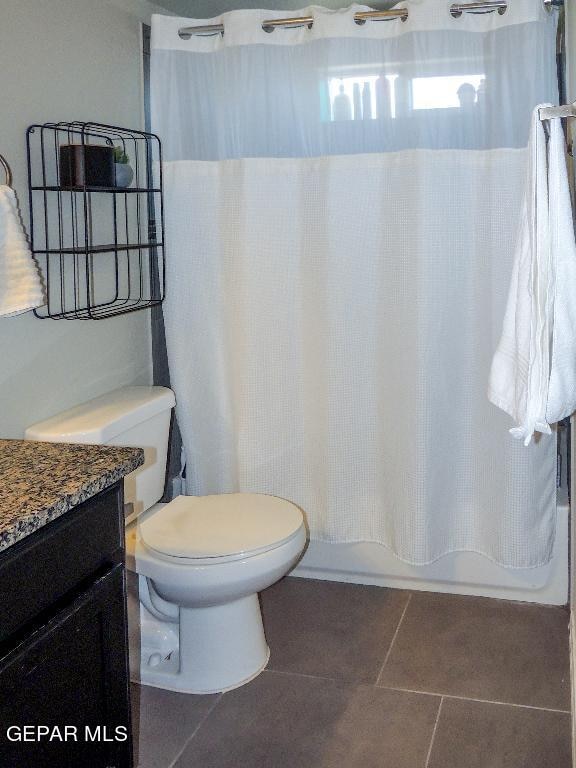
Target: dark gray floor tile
482 649
330 629
288 721
479 735
163 722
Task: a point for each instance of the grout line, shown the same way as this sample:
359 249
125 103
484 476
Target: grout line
311 677
478 701
393 640
348 681
195 731
434 733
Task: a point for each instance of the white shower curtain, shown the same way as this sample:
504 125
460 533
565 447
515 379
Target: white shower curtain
341 205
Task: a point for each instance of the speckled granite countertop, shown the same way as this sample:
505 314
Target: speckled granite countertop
41 481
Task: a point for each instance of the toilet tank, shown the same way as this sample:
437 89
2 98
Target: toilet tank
132 416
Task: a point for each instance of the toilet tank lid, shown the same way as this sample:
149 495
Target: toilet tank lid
100 420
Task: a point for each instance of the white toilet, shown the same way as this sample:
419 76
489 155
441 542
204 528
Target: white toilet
200 560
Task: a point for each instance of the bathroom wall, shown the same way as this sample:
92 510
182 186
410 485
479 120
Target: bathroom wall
570 15
204 9
64 60
570 32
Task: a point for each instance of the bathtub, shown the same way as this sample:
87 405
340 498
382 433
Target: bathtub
461 573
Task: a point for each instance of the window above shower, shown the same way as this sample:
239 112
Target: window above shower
463 89
374 96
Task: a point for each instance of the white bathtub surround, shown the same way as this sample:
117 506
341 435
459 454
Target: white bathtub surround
460 573
533 375
20 284
346 280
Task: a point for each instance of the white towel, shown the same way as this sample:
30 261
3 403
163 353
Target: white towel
20 284
533 375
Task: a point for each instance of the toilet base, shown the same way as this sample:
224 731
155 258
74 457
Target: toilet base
170 681
221 647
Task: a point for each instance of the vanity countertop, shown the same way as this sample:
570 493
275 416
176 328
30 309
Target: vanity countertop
41 481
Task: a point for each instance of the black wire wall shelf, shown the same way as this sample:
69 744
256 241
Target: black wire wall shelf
96 225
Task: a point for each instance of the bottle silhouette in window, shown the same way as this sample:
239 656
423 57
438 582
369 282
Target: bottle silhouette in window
467 96
481 93
383 98
366 102
342 107
357 95
403 95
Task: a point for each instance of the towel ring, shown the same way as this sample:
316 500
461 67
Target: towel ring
7 171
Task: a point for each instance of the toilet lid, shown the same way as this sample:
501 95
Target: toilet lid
221 525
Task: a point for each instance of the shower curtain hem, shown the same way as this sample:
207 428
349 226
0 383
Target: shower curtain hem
463 550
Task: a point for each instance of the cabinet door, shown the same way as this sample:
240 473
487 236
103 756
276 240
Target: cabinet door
71 671
89 540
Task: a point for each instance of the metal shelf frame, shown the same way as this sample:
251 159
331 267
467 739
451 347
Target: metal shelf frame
100 249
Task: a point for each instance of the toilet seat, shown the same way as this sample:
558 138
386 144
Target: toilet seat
219 528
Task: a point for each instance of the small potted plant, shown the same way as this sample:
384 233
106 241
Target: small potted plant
123 172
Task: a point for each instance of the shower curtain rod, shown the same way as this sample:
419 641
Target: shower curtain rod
297 21
456 10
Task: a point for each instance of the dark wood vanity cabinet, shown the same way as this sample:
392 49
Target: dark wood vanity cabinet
63 642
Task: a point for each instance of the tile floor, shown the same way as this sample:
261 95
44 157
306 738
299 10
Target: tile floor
364 677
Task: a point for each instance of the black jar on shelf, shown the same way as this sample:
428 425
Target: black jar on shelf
86 165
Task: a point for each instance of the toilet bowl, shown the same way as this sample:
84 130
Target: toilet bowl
201 562
195 622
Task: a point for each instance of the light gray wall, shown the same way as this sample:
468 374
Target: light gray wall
570 29
64 60
205 9
570 32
